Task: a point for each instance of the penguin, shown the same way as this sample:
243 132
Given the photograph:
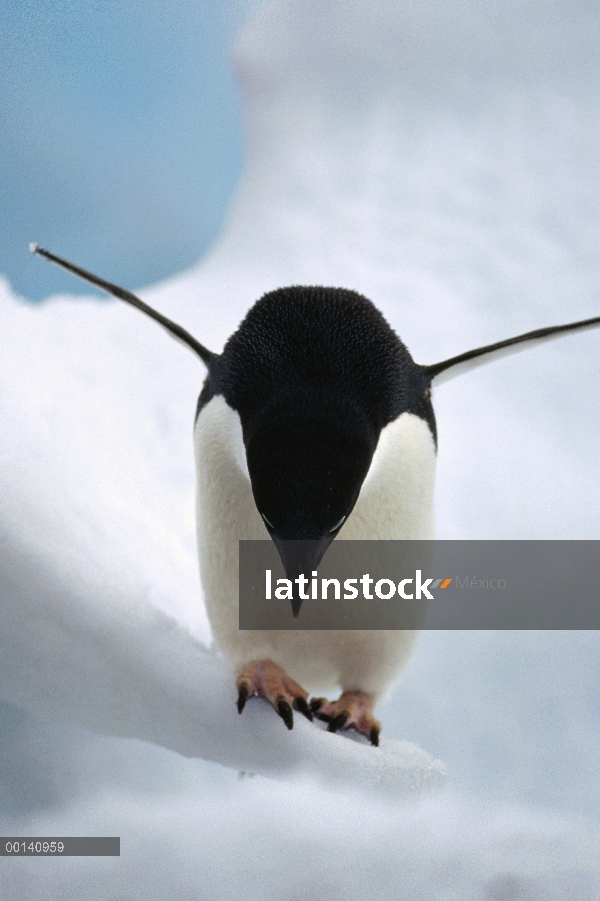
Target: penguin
314 422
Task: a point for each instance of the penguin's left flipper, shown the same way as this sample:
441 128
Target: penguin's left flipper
353 710
268 680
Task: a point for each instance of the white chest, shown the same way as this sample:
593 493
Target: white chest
396 502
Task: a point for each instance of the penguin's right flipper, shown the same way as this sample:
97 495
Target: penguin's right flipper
480 356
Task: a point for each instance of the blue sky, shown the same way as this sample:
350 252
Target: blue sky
120 136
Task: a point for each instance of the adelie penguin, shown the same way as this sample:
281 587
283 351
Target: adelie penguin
313 422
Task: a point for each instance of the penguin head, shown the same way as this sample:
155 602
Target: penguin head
314 374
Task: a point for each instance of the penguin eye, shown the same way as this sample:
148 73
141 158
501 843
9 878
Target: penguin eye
336 527
270 525
427 394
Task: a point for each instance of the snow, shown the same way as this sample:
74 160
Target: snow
441 158
309 845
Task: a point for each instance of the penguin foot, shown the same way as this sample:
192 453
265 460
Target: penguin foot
265 679
353 710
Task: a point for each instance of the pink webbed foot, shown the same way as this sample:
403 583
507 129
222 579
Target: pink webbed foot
353 710
265 679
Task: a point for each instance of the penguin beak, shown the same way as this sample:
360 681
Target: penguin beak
301 558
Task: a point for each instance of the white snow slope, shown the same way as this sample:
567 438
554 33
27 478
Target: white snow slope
440 157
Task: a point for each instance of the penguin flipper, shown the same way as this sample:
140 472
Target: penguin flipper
480 356
176 331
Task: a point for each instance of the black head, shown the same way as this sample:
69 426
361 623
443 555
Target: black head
314 374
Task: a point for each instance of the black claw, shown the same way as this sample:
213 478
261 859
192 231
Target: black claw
315 705
285 712
302 707
242 697
374 736
338 722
